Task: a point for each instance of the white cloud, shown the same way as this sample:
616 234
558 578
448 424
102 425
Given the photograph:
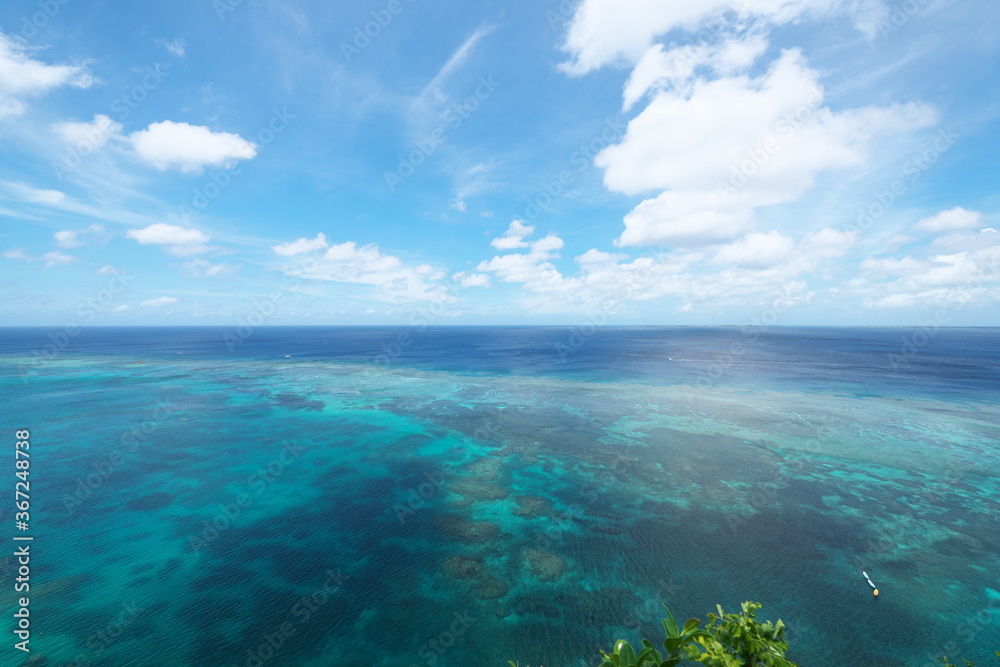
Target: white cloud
176 47
17 253
757 251
953 219
22 77
31 195
721 148
302 245
108 270
93 135
74 238
189 148
180 241
56 258
721 134
952 280
164 234
514 236
433 96
534 269
897 241
619 32
471 279
828 243
764 269
367 265
157 303
200 268
660 70
120 309
67 239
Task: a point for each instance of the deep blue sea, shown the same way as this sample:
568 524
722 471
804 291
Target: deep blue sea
400 497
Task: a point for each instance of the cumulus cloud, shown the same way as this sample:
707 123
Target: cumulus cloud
200 268
757 250
953 279
189 148
176 47
534 268
92 135
619 32
23 77
514 236
957 218
719 148
159 303
302 246
471 279
17 253
727 124
180 241
56 258
758 268
368 265
74 238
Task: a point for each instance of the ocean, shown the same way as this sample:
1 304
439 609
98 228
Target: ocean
397 496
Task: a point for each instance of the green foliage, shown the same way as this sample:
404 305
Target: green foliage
947 663
736 640
729 640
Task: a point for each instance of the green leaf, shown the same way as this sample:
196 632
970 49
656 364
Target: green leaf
672 644
624 649
670 625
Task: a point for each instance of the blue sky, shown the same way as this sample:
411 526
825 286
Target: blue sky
621 161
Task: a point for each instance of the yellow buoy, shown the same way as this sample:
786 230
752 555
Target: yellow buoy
876 592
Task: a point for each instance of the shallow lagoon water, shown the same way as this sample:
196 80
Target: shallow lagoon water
478 496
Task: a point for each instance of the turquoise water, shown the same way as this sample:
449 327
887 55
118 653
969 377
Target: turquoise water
448 508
